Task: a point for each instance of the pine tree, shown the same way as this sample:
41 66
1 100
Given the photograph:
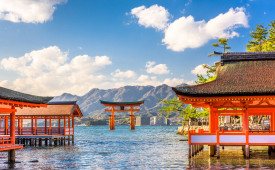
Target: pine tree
259 35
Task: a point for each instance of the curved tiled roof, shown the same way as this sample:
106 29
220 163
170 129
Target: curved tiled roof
7 94
238 74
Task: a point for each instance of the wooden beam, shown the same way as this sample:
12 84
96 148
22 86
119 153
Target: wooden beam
7 110
118 110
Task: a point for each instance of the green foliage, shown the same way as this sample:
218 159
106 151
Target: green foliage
95 122
186 112
222 44
210 74
263 39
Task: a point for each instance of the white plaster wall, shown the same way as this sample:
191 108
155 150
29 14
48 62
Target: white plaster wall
232 139
261 138
203 139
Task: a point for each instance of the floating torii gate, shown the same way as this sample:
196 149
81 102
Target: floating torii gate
123 107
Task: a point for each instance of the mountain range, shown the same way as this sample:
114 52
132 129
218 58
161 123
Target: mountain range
90 102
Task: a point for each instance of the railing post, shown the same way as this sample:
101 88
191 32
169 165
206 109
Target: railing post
218 144
189 145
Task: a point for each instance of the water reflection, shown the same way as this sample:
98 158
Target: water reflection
233 158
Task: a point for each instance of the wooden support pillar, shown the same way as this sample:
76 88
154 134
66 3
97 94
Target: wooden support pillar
40 142
64 126
50 142
132 122
69 140
46 125
11 156
211 150
50 125
32 125
6 125
218 151
112 122
35 126
55 142
269 150
69 124
18 125
46 141
12 126
247 149
59 123
73 139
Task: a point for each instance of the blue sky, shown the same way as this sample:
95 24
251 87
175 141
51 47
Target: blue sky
56 46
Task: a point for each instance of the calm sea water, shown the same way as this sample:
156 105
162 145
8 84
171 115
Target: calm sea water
147 147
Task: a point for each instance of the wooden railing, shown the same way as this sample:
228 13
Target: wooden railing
5 141
201 137
38 131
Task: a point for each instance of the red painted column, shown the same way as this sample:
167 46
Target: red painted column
59 123
50 126
112 120
18 125
132 119
32 125
6 125
73 124
45 124
69 124
35 126
12 126
64 125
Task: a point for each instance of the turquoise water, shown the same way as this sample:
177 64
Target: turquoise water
147 147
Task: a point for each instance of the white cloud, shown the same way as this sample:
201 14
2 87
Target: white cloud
28 11
156 69
50 72
155 16
125 74
173 82
4 83
199 70
185 32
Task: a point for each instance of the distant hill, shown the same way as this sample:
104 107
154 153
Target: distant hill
90 104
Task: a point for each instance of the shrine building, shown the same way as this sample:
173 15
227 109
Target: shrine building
244 90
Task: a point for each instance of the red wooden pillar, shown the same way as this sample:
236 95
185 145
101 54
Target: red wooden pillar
132 119
245 120
18 125
50 125
35 125
59 123
45 118
32 124
21 125
212 121
73 124
112 120
64 125
69 124
12 126
6 125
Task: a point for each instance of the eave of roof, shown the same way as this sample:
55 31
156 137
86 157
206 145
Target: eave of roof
7 94
252 76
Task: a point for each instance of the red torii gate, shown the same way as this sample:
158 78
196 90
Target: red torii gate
122 106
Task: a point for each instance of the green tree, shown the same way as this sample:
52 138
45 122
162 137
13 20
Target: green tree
222 44
210 74
185 112
259 37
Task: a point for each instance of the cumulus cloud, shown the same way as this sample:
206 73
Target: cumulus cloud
199 70
153 80
125 74
28 11
173 82
50 72
156 69
186 32
155 16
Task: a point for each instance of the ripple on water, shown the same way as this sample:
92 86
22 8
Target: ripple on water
145 148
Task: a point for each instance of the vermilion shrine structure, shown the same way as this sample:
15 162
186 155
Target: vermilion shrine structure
123 107
54 123
10 102
244 87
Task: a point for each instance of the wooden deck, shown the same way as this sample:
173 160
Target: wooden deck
39 140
